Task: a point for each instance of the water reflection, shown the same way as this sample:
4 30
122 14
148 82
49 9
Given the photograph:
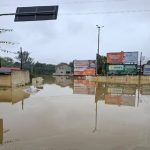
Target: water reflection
1 131
145 89
112 94
84 87
12 95
63 81
118 94
70 117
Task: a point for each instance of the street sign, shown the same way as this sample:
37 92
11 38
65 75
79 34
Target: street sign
36 13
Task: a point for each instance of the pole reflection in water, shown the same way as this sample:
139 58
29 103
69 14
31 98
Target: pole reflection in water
95 119
1 131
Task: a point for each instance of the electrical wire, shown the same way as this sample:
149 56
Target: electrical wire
7 51
103 12
7 42
5 30
60 2
106 12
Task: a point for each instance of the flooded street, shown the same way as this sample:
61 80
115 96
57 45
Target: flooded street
74 114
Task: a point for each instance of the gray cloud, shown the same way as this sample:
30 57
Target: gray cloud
74 34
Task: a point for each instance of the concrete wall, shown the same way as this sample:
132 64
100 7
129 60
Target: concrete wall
5 80
20 78
16 78
121 79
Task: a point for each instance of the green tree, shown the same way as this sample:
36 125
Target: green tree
25 57
7 62
101 61
43 69
71 65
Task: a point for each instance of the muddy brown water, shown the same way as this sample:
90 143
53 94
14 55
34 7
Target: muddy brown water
72 114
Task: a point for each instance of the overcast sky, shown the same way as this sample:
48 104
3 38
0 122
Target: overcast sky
74 34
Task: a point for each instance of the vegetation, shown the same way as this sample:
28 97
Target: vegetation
6 61
37 68
101 61
28 64
148 62
25 56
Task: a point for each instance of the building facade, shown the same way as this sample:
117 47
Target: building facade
63 69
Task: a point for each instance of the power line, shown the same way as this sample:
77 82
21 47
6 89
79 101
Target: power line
6 51
88 1
5 30
102 13
107 12
7 42
71 2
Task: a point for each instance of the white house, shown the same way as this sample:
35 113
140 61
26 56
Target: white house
63 69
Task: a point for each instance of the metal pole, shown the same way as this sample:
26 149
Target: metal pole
0 62
21 58
98 39
99 28
139 85
140 65
97 55
29 13
8 14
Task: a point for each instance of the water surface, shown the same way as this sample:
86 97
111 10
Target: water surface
72 114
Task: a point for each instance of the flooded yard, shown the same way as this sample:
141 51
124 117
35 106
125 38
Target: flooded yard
69 114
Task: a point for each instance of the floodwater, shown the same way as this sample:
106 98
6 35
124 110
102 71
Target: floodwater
72 114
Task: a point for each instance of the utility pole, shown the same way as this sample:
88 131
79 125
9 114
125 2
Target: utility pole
99 28
98 49
21 65
140 64
0 62
139 85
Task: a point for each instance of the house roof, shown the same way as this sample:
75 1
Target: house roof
8 70
62 64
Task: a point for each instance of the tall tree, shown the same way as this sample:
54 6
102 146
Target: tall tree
25 57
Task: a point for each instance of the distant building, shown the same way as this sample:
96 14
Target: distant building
84 67
63 69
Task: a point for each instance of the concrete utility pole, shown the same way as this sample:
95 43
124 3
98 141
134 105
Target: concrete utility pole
99 29
98 49
139 85
0 62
